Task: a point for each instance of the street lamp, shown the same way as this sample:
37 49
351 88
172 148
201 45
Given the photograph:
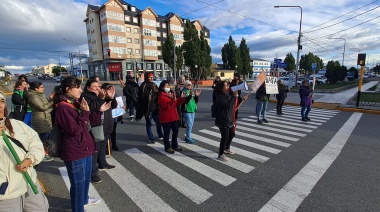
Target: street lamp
298 41
80 59
344 48
236 66
196 67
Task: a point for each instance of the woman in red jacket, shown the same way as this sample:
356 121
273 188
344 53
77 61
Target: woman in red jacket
168 114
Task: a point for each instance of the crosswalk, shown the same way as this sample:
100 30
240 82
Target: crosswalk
254 144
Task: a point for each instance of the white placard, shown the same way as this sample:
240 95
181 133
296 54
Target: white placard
271 85
119 110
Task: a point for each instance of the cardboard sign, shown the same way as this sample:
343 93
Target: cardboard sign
271 85
258 81
118 111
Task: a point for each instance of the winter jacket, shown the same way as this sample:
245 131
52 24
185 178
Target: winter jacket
130 91
30 140
77 141
147 99
41 108
168 107
94 102
108 121
261 93
18 105
225 110
305 95
282 92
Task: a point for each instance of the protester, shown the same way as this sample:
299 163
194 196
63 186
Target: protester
168 103
225 104
41 107
262 99
78 146
16 194
188 108
19 101
130 92
281 96
93 96
217 79
237 81
178 91
306 95
147 106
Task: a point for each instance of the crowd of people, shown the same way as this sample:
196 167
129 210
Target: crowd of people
86 120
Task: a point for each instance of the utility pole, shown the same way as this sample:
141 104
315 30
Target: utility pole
174 67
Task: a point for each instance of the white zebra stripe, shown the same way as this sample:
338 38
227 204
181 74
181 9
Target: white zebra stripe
213 155
271 128
280 125
177 181
292 121
310 116
203 169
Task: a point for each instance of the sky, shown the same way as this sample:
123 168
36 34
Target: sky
33 32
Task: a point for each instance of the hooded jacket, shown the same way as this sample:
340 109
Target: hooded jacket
41 108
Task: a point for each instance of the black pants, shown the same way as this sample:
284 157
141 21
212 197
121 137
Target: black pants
99 157
174 127
280 102
227 134
113 135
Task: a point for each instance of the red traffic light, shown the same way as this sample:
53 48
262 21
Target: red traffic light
109 52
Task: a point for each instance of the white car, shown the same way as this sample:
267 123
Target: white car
58 79
287 81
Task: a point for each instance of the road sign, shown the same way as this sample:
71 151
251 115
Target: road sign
314 66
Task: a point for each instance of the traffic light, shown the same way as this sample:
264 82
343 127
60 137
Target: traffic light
299 47
361 59
109 52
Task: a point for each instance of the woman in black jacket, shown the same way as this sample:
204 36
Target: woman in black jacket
225 105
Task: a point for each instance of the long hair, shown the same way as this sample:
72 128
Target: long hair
219 87
8 124
67 82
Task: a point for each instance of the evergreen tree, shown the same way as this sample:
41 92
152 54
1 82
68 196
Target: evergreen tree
225 55
307 60
245 58
168 51
231 53
335 72
289 59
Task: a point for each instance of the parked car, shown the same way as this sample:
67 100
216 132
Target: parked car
287 81
58 78
157 80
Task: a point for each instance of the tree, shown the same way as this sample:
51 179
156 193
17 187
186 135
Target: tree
307 60
245 58
353 69
58 69
231 53
168 51
335 72
205 59
192 49
225 55
289 59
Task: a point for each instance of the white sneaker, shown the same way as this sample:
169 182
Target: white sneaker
93 201
223 158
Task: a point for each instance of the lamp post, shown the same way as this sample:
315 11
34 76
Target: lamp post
196 67
80 59
299 47
344 48
174 67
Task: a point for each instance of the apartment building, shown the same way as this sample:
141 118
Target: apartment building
123 39
48 69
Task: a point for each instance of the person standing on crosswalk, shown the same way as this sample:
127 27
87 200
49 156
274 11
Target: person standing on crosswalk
281 96
188 108
306 95
168 103
78 146
262 103
225 106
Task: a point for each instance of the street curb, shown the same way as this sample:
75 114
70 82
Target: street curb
328 106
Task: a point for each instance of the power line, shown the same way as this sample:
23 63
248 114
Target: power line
37 50
201 8
341 16
341 21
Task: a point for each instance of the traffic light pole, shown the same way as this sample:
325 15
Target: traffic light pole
361 62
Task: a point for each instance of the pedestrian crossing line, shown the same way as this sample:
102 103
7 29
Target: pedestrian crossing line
247 143
314 110
139 193
312 113
213 155
255 137
177 181
280 125
267 133
271 128
92 191
203 169
291 122
318 119
239 151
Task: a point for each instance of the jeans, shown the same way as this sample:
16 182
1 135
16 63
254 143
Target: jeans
227 134
189 118
303 114
44 136
153 115
261 108
79 172
174 127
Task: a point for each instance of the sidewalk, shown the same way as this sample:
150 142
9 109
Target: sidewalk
335 101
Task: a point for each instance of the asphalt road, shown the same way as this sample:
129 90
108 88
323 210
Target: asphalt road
328 164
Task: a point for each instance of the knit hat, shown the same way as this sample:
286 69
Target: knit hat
187 82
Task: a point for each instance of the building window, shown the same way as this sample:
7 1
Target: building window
137 41
136 30
158 66
133 9
205 33
137 51
128 29
164 25
129 40
135 20
157 24
149 66
222 74
129 50
159 53
129 66
127 18
164 34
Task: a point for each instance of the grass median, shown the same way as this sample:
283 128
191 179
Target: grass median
369 97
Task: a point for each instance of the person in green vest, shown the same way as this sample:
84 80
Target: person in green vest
18 101
188 108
